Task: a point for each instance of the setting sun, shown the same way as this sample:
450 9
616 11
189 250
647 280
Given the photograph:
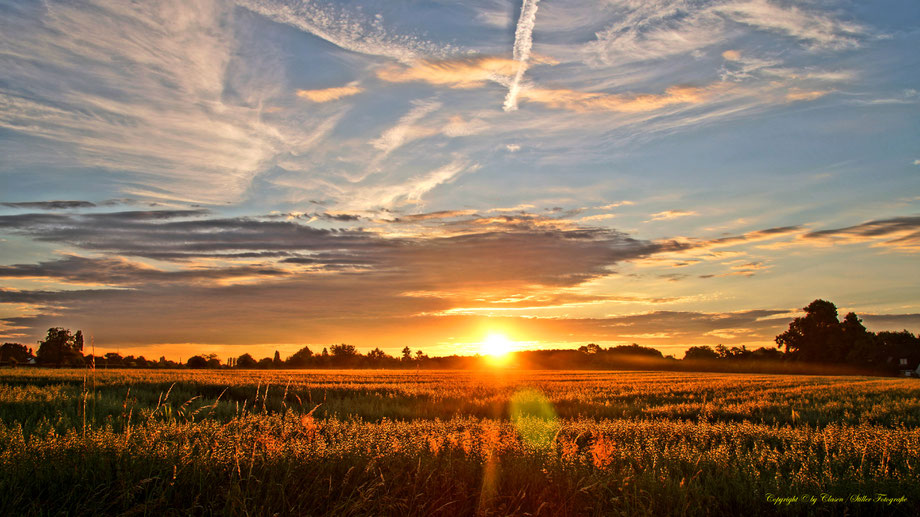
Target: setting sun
496 346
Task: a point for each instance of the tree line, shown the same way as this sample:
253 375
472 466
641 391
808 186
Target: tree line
819 338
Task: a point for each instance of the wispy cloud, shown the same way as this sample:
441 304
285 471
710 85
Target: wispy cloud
137 91
818 30
405 129
523 42
347 30
51 205
589 101
667 215
465 72
330 94
899 233
409 192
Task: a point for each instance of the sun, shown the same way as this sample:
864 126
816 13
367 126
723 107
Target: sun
495 346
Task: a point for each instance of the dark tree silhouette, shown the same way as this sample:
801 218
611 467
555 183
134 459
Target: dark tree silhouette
61 347
276 362
301 358
860 344
634 350
15 353
246 361
815 337
377 355
198 361
407 354
700 353
590 348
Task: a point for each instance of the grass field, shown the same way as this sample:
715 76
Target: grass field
456 443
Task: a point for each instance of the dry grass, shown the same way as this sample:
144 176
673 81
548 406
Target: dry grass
423 443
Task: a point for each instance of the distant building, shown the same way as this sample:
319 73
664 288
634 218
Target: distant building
909 366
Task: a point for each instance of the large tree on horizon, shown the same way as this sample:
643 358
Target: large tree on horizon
60 347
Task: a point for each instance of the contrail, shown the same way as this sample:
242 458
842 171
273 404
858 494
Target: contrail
523 41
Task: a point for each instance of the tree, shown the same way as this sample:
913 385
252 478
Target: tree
343 354
343 350
212 361
635 350
377 355
700 353
894 346
246 361
861 345
590 348
767 354
60 347
301 358
14 353
407 354
197 362
276 362
817 336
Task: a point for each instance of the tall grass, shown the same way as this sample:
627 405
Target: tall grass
454 443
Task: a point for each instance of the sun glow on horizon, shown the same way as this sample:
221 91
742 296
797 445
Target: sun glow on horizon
496 347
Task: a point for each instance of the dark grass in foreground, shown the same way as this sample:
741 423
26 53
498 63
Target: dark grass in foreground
603 443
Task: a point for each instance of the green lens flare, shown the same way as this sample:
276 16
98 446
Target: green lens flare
534 417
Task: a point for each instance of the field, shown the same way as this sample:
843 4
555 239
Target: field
456 443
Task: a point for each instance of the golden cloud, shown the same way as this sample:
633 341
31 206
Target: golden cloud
330 94
454 73
796 94
573 100
469 72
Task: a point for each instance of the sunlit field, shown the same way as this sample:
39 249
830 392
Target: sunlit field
497 442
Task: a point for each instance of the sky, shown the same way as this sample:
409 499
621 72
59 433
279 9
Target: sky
215 176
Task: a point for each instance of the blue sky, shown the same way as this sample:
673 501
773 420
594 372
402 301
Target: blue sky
266 174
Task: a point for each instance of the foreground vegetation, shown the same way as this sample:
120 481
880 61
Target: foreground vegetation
422 443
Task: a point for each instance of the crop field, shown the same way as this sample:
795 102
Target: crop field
145 442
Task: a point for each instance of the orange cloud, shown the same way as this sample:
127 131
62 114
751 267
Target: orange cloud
330 94
455 73
467 72
672 214
591 101
796 94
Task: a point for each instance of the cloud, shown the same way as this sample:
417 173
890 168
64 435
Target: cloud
330 94
899 233
121 272
243 280
465 72
796 94
405 129
523 42
410 191
360 275
653 30
817 30
588 101
347 30
138 91
51 205
672 214
432 216
657 29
